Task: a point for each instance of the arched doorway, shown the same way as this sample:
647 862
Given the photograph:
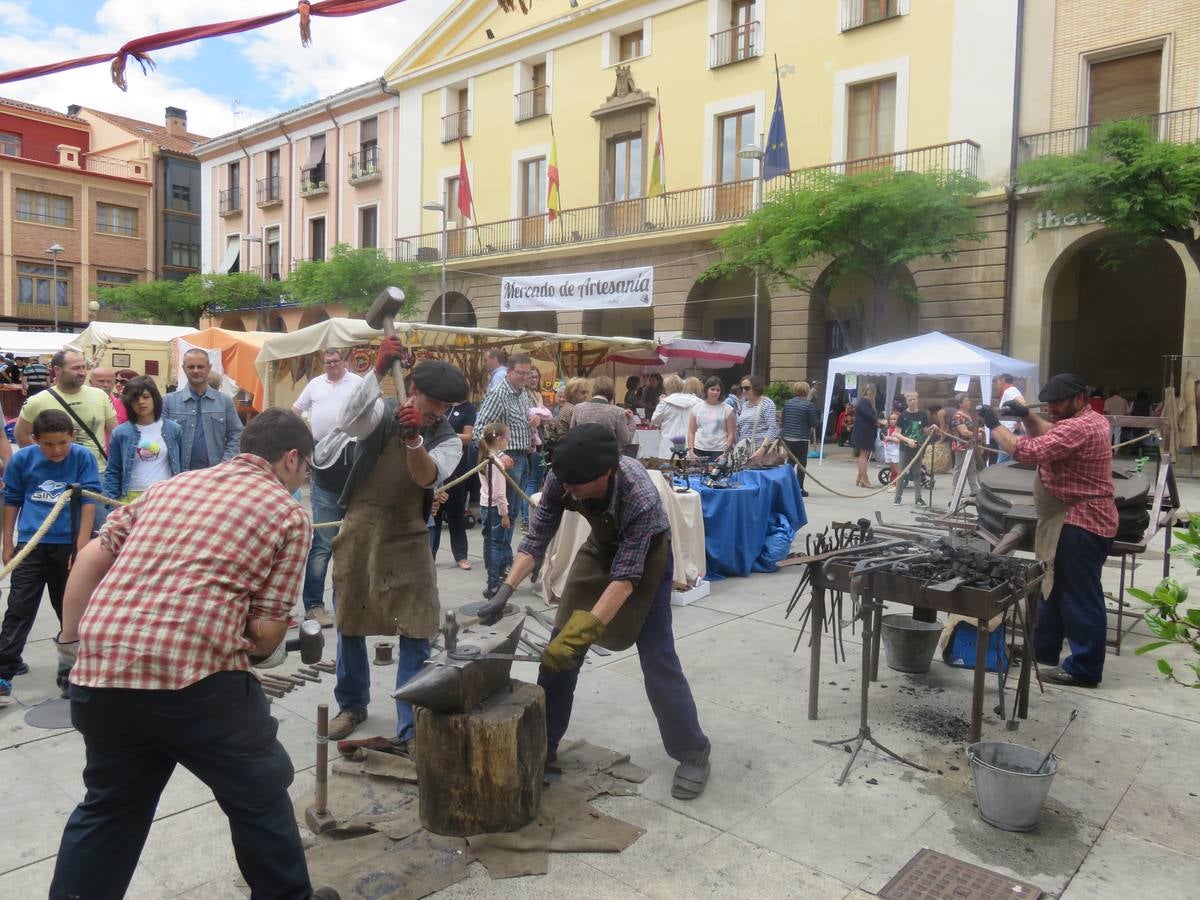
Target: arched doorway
312 316
846 316
723 310
278 325
232 323
632 322
460 313
542 320
1115 309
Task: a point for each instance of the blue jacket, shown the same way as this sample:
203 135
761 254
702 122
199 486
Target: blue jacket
34 483
222 427
122 446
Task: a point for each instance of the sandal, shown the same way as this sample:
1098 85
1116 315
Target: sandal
691 776
463 564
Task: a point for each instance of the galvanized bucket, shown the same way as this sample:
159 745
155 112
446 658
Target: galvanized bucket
1009 793
909 643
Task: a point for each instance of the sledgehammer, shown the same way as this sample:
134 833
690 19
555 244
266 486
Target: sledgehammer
317 817
382 315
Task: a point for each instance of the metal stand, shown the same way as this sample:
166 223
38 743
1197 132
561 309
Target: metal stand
871 614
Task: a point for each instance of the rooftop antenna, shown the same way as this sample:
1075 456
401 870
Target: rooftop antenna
236 108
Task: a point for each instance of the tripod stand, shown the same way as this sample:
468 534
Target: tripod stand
871 612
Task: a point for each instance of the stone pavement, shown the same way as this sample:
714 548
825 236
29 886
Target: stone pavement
1121 820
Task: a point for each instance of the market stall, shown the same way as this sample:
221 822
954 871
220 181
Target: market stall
130 345
238 351
34 343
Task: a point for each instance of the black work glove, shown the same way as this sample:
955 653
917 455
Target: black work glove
989 417
492 611
1015 409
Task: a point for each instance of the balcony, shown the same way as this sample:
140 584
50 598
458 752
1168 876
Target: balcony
1178 126
456 125
364 166
859 13
269 193
531 104
229 202
312 181
735 44
714 204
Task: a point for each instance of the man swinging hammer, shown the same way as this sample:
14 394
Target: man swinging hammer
618 592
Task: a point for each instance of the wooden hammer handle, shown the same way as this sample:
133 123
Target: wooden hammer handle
389 330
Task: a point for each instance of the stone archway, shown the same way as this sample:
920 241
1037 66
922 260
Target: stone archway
843 318
542 320
723 310
312 316
278 325
460 312
232 322
633 322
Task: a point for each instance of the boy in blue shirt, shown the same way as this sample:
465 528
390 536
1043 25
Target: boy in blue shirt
35 478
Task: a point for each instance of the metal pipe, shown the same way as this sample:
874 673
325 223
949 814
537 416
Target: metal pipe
1011 192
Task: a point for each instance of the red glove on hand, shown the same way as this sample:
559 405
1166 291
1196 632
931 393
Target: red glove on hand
409 418
390 350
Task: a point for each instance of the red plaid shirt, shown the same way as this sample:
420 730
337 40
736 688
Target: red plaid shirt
1074 460
197 556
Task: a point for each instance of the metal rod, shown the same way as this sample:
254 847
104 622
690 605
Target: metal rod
321 798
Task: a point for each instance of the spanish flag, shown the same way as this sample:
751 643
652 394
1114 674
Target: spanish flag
553 201
658 167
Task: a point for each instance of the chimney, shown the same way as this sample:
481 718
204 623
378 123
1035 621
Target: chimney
73 109
176 121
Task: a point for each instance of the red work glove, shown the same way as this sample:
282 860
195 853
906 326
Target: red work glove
390 350
409 418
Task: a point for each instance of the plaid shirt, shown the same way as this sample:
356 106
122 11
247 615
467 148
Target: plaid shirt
196 557
1074 460
634 505
506 404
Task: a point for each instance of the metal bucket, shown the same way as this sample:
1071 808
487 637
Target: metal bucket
1009 794
908 643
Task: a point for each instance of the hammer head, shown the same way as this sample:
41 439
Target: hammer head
319 821
389 302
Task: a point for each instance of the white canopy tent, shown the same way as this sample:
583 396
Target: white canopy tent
100 334
932 355
34 343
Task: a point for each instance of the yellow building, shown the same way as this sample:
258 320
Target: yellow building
866 83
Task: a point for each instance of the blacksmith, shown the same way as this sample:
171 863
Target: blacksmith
618 592
1077 520
383 573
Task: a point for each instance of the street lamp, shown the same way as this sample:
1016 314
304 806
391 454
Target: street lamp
54 250
756 153
435 206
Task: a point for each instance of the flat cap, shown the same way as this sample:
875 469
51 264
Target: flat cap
586 453
1062 387
440 381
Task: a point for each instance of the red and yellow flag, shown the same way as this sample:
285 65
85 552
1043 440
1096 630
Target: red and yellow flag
658 167
553 201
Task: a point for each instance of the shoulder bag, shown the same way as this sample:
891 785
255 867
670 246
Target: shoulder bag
78 421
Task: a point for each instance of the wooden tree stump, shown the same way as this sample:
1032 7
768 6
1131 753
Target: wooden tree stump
481 771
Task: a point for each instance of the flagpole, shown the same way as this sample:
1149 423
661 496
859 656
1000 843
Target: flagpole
474 218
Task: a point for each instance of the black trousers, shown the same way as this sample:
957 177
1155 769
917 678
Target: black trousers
221 730
800 451
454 513
45 567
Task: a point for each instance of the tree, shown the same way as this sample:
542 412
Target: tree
186 302
354 278
1137 185
868 225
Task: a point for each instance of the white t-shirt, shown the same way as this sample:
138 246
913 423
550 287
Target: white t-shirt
324 401
711 430
1010 393
150 462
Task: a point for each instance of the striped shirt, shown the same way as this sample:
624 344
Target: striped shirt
506 404
196 556
759 419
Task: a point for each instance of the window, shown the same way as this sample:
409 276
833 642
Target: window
452 211
185 256
181 196
272 262
1124 87
34 280
734 131
877 10
623 172
532 100
316 239
114 279
235 174
872 119
741 23
273 163
368 226
368 134
47 209
10 144
533 187
631 45
112 219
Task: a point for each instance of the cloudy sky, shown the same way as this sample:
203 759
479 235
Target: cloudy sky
223 83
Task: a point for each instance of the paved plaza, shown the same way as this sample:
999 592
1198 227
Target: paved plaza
1121 820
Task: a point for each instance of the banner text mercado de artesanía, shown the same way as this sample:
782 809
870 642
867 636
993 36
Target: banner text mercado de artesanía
579 290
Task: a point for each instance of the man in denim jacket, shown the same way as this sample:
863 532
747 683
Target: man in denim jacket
216 440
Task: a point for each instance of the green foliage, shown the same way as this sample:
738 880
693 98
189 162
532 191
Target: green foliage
1171 624
1189 542
867 225
1139 186
354 278
186 302
780 392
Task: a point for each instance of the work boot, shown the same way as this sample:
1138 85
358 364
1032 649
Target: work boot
345 722
320 615
691 775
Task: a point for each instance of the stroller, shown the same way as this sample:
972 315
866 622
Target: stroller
885 473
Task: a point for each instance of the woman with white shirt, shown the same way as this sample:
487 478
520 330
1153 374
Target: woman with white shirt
711 424
672 415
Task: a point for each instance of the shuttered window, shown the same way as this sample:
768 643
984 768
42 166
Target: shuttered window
1124 87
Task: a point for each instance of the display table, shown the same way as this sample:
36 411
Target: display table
647 440
687 541
736 519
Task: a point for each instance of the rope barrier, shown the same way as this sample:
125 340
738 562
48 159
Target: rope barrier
37 535
887 487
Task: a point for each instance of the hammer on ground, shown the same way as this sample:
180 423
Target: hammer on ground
317 817
382 315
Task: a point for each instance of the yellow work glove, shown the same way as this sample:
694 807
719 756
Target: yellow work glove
581 631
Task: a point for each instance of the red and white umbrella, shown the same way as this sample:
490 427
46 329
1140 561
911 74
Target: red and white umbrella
703 354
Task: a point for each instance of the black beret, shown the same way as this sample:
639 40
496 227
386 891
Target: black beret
586 453
1062 387
439 381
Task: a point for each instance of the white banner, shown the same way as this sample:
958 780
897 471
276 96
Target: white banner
611 289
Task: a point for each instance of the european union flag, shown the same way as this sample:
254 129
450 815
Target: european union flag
775 163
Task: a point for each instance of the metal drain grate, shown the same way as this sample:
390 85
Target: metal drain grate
935 876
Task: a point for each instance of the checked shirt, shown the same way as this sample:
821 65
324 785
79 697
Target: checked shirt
197 556
506 404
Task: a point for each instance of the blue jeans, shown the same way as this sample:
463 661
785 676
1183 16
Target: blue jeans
325 508
533 481
518 472
497 551
353 688
1075 608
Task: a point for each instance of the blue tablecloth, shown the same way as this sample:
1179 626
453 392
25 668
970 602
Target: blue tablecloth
736 519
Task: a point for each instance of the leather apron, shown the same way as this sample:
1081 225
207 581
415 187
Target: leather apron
382 567
590 575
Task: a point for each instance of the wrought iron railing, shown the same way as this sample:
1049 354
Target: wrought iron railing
456 125
532 103
364 164
268 190
735 44
857 13
229 201
956 156
1178 126
312 180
